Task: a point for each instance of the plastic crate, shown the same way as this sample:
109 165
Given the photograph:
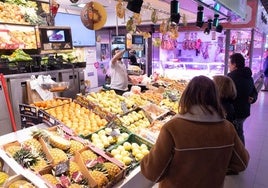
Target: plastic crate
117 135
133 138
28 110
28 121
46 118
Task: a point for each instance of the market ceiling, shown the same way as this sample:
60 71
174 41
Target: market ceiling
187 8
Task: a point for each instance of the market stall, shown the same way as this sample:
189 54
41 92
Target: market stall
89 131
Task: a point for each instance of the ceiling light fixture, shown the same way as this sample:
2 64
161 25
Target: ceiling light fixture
209 27
74 1
134 5
207 31
216 20
219 28
200 15
174 11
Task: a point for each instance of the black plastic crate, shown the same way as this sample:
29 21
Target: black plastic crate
45 117
28 121
28 110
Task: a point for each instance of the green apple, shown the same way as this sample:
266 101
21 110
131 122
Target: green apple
127 146
126 160
114 152
139 156
124 153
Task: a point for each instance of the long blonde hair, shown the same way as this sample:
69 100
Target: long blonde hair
226 87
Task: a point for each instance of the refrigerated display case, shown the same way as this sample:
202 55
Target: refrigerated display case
193 53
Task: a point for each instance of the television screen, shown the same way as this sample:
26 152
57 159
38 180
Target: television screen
55 38
137 39
56 35
80 34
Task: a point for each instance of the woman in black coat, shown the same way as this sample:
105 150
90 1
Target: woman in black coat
246 91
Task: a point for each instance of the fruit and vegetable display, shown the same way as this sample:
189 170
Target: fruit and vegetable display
101 137
19 12
110 101
13 38
108 138
3 175
135 120
81 120
99 167
51 103
131 151
17 55
18 181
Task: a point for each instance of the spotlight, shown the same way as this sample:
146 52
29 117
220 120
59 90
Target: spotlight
200 15
216 20
219 28
134 5
207 30
74 1
174 7
174 11
209 24
175 18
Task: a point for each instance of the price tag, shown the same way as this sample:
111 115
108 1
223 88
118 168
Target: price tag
124 107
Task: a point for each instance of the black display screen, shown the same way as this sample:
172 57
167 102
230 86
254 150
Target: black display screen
137 39
55 38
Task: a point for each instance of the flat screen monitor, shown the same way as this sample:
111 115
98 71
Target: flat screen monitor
53 39
80 34
137 39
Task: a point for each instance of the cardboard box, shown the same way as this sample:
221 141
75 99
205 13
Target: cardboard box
121 175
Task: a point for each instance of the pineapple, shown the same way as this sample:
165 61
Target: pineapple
11 150
41 163
3 177
54 139
34 143
99 177
112 169
58 155
73 167
59 142
88 155
75 146
25 157
50 178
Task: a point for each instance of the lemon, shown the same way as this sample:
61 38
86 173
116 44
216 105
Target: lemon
3 177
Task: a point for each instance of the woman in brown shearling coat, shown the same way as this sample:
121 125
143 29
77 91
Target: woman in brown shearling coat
198 146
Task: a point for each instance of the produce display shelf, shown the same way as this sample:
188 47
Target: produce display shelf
133 179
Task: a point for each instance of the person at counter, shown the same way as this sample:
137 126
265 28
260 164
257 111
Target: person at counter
198 146
118 73
133 58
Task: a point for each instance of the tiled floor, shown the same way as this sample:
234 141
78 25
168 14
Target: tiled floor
256 136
